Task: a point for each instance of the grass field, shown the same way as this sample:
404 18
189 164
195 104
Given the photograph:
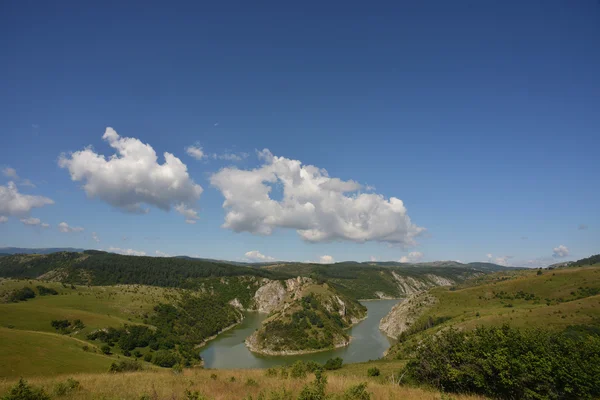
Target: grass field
167 385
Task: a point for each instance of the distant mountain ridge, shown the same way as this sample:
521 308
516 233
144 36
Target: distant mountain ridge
44 250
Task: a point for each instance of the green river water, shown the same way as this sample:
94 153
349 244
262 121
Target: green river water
368 343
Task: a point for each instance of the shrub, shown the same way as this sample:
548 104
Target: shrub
45 291
213 377
21 295
510 363
189 395
316 389
251 382
373 371
165 358
271 372
312 366
23 391
357 392
64 388
298 370
232 379
105 349
125 366
148 357
333 363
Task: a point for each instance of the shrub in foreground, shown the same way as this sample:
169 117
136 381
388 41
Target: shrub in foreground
334 363
509 363
66 387
373 371
125 366
23 391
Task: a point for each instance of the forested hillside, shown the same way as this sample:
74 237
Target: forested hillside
101 268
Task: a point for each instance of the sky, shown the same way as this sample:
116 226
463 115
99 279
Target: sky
412 131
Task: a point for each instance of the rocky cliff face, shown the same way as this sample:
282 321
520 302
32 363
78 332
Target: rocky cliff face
408 285
271 294
405 313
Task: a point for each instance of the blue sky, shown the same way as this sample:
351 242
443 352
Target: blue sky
481 116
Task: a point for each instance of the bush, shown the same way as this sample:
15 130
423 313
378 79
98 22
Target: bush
45 291
148 357
298 370
333 363
189 395
251 382
316 389
105 349
165 358
214 377
509 363
271 372
312 366
21 295
125 366
64 388
357 392
373 371
23 391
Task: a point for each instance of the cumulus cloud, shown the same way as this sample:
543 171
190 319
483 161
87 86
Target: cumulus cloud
132 176
95 237
161 254
318 207
65 228
195 151
227 156
326 260
582 227
560 251
413 256
34 222
127 252
3 219
13 203
256 255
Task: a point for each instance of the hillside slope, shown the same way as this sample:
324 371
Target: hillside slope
556 299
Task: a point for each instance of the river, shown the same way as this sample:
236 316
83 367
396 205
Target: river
368 343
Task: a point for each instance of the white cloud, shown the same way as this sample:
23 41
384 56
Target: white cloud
413 256
373 258
256 255
326 260
190 215
127 252
65 228
318 207
34 222
3 219
560 251
95 237
161 254
13 203
500 260
133 176
195 151
10 173
230 156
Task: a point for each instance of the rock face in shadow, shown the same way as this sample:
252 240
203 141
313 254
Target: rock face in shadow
405 313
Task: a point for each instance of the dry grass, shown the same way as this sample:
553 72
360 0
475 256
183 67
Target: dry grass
167 385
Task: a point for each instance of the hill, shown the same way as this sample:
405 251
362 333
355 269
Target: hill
556 299
311 317
45 250
100 268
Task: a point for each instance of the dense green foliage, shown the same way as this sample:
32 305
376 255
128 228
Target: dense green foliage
46 291
509 363
101 268
333 363
125 366
66 387
21 295
23 391
65 326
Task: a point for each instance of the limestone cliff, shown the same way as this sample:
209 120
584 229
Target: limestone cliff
405 313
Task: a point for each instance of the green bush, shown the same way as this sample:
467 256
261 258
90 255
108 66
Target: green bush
271 372
165 358
334 363
373 371
251 382
509 363
214 377
64 388
45 291
125 366
23 391
21 295
357 392
105 349
298 370
148 357
316 389
312 366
